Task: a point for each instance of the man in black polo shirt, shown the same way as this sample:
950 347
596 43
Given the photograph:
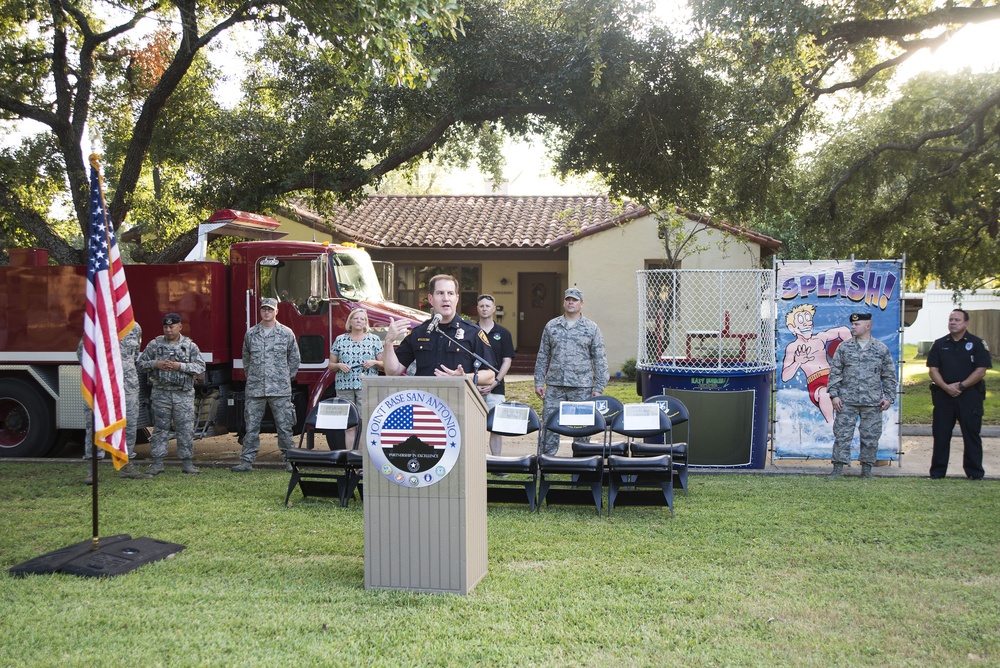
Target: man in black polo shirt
957 363
433 352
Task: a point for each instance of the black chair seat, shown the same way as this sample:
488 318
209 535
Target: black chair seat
633 465
675 450
527 464
570 465
318 457
583 449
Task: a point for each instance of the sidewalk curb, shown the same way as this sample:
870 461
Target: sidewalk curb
925 430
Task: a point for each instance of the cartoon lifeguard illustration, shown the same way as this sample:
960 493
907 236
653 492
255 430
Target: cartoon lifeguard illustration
811 352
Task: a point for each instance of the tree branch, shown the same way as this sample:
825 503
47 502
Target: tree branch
976 116
853 32
38 227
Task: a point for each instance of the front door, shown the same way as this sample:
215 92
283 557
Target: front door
538 301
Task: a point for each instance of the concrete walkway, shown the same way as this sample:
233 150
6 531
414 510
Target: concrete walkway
224 451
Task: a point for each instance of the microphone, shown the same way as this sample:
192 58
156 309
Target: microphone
434 323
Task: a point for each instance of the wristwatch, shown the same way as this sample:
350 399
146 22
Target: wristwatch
961 385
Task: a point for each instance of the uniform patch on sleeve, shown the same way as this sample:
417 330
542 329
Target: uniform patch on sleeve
485 339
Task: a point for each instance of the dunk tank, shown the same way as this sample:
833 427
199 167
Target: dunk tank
707 338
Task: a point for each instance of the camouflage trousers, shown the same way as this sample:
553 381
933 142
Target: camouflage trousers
869 431
172 407
284 419
548 442
131 422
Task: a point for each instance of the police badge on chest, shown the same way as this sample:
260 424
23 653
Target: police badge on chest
460 334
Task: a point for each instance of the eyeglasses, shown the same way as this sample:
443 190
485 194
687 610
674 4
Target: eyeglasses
482 297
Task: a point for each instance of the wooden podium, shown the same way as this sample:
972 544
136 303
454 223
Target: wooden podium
425 445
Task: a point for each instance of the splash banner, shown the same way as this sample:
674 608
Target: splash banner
815 301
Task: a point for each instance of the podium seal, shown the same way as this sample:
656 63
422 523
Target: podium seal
413 439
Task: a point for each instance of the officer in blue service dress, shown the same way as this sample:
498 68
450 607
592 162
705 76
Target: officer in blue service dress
434 353
957 364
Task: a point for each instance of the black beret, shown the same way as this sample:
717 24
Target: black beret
172 319
855 317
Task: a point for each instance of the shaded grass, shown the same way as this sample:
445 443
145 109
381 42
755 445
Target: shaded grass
753 570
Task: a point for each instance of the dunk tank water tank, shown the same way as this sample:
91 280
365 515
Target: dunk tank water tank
707 338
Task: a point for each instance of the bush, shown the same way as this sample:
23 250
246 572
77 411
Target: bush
628 370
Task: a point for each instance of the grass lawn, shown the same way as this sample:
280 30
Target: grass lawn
754 570
917 408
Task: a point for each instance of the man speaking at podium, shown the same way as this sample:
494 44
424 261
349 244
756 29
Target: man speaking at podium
443 345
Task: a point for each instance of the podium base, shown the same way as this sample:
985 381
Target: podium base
116 555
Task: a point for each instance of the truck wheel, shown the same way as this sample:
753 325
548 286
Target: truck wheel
27 422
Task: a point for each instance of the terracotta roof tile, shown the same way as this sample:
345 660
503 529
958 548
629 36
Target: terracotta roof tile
488 221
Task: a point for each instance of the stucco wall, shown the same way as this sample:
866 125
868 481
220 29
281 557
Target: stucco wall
603 266
299 232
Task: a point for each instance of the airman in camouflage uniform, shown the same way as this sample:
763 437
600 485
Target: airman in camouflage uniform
571 363
270 360
130 345
172 361
862 385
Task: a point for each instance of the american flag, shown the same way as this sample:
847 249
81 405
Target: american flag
108 318
413 420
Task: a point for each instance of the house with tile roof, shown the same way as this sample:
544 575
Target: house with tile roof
525 251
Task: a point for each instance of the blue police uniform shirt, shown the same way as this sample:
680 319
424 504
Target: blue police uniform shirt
957 359
431 350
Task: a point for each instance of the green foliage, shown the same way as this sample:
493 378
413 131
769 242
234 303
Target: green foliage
70 66
752 571
303 130
895 183
628 370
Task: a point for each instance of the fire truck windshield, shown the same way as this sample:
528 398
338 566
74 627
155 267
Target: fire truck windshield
354 276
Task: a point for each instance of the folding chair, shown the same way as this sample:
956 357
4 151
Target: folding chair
521 472
311 469
610 408
587 472
665 445
634 479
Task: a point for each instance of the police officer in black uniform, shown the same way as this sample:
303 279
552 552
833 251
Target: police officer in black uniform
957 363
434 354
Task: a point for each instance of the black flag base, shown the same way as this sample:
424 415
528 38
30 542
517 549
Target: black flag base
116 555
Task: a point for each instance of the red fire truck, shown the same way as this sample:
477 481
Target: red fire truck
42 311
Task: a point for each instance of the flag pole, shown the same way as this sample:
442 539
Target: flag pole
108 318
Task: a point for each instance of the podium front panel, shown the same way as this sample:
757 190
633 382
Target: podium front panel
420 535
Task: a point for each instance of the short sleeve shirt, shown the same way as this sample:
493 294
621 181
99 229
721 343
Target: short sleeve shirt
957 359
503 346
354 354
431 349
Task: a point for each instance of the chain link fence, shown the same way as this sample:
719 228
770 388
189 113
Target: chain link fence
693 320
